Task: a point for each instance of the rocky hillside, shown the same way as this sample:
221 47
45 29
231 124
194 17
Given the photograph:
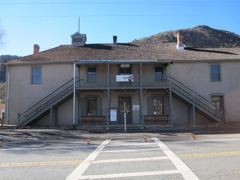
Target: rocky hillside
197 37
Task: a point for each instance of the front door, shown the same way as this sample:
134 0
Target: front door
124 106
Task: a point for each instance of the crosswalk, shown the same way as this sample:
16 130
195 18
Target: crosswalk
132 159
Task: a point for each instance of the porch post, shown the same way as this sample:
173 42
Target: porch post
108 94
74 94
141 97
170 94
193 109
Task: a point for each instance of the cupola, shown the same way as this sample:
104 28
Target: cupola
79 39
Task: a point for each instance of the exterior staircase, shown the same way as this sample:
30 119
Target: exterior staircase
66 90
43 106
202 104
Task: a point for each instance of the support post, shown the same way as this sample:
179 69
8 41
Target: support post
74 94
7 97
170 99
51 117
141 97
109 99
193 109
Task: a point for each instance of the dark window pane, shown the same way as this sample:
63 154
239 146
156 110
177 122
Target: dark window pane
158 105
158 73
91 106
91 75
36 75
215 73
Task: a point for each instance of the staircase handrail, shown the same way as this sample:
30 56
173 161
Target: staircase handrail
197 97
46 99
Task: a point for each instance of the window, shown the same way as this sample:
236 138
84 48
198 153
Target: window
157 105
158 74
125 69
215 73
36 75
218 101
91 75
91 105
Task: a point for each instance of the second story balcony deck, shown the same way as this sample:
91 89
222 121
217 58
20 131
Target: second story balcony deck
130 81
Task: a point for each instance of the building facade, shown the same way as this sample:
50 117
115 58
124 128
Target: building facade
123 85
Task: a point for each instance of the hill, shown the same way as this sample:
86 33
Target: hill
197 37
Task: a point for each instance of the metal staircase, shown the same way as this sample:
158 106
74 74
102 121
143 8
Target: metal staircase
202 104
43 106
63 92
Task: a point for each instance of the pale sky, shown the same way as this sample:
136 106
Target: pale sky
51 23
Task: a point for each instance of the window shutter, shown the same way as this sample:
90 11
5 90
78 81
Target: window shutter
83 104
150 105
99 106
166 105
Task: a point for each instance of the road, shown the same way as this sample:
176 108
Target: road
127 156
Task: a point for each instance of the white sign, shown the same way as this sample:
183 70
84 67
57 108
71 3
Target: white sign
136 107
113 115
125 78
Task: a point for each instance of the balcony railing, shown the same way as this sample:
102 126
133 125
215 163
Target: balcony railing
101 81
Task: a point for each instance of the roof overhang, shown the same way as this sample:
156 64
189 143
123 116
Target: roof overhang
122 61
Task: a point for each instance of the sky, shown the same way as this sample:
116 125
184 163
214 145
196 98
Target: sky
50 23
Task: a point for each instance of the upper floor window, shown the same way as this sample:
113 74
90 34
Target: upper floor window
125 69
36 75
91 75
215 73
158 73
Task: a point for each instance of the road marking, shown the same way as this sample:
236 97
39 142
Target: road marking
211 154
125 175
183 169
129 144
50 163
131 150
70 162
130 160
84 165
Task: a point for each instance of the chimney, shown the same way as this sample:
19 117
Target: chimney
180 45
114 39
36 48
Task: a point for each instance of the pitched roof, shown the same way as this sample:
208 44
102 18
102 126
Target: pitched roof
126 51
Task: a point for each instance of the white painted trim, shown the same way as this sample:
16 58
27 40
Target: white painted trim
125 175
77 173
183 169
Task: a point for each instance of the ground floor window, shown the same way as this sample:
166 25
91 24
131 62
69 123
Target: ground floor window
91 105
218 101
158 105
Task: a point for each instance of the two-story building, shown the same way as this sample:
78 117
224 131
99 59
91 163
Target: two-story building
123 85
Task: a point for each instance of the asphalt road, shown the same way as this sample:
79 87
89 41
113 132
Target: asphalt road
41 154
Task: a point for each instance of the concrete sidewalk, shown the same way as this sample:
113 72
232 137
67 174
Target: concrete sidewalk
20 137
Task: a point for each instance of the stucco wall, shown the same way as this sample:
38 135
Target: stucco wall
23 94
196 75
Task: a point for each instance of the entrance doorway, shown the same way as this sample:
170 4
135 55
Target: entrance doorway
125 102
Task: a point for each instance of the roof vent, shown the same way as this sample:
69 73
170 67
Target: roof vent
79 39
180 45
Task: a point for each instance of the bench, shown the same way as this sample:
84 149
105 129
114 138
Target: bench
156 119
93 119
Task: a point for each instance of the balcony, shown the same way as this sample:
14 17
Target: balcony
104 82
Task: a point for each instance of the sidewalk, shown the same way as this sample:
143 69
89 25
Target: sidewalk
21 136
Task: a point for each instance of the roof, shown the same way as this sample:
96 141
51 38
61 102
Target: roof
127 51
